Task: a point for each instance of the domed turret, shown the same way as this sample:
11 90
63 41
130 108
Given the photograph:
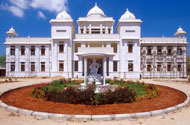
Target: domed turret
128 16
11 32
63 16
180 32
95 11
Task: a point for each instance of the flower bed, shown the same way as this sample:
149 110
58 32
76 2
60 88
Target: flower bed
68 91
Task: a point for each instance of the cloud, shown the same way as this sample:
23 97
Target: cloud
16 11
17 7
50 5
41 15
23 4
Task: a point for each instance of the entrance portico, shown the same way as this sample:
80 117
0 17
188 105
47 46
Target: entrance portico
105 61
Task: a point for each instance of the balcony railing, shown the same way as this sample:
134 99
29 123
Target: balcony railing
85 50
96 37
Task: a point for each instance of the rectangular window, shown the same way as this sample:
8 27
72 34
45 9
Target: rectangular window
115 66
148 68
22 50
77 45
95 31
12 50
22 66
76 66
179 67
32 66
103 31
43 50
129 31
159 50
61 47
61 30
87 31
107 66
32 49
82 30
130 48
179 50
149 50
109 31
169 67
169 49
42 66
159 67
130 66
114 46
61 65
12 66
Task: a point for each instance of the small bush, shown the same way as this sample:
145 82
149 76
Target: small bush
151 91
120 95
108 80
72 95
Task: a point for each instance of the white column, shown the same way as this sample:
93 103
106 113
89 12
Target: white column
104 71
85 70
90 29
17 60
111 64
101 29
84 32
79 31
80 66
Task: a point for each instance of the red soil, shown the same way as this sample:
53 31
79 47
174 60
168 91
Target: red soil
22 98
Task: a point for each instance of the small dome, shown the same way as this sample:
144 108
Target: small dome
96 11
11 30
128 16
180 31
63 16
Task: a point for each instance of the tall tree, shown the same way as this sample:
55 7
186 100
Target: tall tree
2 60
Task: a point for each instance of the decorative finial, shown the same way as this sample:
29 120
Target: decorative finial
127 9
96 4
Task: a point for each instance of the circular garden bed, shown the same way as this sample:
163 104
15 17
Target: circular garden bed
140 98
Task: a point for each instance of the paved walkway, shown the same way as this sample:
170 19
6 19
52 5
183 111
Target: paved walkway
181 117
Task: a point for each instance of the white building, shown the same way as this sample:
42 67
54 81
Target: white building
124 54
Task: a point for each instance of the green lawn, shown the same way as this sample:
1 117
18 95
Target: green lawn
138 88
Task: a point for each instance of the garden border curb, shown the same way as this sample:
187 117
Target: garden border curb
54 116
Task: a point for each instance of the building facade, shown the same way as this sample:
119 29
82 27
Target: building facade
124 54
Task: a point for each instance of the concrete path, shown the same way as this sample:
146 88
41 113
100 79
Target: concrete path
180 117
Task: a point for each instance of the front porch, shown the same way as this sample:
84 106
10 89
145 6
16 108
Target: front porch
105 62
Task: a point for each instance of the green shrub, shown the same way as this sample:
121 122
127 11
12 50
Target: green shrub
38 93
120 95
108 80
151 91
72 95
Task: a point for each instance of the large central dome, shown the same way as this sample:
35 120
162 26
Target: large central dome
95 11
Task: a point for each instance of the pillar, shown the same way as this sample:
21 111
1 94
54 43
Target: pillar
80 66
104 71
85 70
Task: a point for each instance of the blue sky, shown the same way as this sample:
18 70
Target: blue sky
31 17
